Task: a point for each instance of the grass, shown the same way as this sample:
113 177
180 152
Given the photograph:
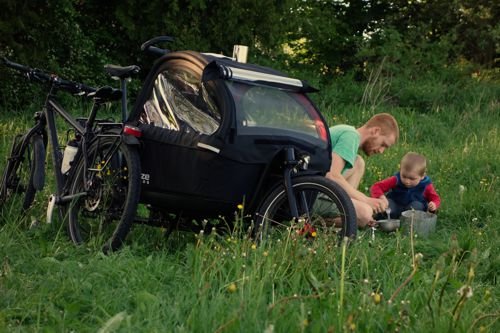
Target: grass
223 283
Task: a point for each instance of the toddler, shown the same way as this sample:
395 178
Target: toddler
409 188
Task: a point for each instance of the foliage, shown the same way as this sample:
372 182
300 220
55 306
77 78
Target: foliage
75 38
473 25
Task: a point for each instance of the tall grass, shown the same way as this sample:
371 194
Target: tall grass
222 282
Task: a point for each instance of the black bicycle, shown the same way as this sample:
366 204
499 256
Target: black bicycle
97 177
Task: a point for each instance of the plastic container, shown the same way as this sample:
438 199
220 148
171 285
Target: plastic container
424 223
69 155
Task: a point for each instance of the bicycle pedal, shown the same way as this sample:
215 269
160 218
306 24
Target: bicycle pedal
50 208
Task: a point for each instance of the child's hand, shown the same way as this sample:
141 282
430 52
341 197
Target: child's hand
432 206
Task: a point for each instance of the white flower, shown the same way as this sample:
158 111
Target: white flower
465 290
269 329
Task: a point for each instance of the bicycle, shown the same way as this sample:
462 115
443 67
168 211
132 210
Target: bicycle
97 179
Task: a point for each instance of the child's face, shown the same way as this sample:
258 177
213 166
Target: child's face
410 178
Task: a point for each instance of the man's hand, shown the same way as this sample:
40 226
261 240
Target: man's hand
385 201
378 205
432 206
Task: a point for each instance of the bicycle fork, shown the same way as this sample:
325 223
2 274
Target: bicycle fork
292 166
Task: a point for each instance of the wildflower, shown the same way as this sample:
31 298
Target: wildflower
232 288
465 291
269 329
253 246
240 206
314 234
265 253
471 273
350 323
418 258
461 189
377 297
487 295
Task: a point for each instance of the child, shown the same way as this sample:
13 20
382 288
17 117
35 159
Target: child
409 188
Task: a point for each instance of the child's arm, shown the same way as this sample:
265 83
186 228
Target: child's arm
381 187
432 198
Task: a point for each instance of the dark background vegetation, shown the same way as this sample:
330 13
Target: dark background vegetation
321 40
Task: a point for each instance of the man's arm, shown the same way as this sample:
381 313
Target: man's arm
335 174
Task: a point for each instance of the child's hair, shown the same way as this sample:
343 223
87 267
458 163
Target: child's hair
386 122
414 162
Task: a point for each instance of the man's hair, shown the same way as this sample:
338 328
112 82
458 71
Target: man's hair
387 123
414 162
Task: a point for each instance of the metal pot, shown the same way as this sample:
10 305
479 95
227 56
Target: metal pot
388 225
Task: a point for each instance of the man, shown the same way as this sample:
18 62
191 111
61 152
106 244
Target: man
348 168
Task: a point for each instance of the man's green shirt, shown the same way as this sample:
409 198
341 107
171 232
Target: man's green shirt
345 143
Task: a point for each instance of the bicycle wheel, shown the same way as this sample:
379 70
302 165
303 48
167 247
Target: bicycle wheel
106 194
24 173
322 204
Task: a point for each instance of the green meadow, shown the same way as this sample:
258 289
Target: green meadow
223 282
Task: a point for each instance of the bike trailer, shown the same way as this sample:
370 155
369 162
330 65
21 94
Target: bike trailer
214 131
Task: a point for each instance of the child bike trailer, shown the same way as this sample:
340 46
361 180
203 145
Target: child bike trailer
217 133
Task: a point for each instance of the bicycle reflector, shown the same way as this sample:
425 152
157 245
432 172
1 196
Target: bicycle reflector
132 130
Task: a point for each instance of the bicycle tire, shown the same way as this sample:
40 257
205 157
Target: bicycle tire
38 174
106 213
321 202
24 173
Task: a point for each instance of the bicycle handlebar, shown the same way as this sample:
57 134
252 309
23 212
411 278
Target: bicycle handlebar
148 45
43 77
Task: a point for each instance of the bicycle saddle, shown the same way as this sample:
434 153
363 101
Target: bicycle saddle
120 71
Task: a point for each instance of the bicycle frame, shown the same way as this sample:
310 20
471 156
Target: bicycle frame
53 108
